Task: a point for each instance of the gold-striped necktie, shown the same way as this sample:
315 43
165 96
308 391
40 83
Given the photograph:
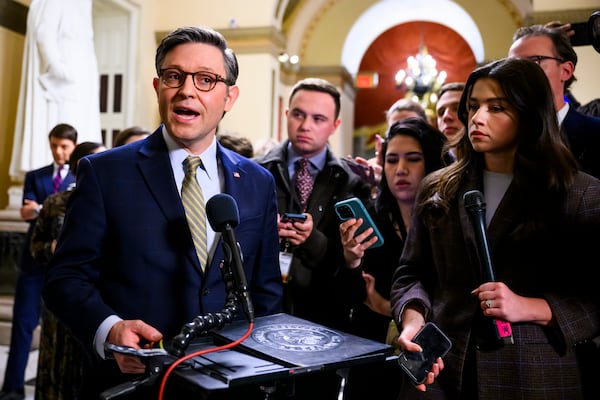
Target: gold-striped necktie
193 203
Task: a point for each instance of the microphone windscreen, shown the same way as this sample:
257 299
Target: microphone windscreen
222 209
474 200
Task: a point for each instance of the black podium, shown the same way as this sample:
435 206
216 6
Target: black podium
280 348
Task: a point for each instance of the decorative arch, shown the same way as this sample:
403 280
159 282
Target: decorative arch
389 13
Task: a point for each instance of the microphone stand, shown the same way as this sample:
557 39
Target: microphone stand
202 324
158 361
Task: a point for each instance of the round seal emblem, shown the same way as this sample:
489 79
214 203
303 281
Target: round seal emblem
297 337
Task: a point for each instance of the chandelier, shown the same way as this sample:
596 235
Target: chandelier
421 77
288 62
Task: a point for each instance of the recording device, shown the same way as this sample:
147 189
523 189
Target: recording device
434 344
475 207
365 173
293 217
587 33
223 215
354 208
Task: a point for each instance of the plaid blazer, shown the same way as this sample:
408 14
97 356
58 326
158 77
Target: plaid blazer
439 267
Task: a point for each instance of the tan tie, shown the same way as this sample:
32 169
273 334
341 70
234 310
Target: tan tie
193 203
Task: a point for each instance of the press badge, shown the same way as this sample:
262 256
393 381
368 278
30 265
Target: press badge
285 261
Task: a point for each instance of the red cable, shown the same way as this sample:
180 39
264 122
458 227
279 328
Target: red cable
199 353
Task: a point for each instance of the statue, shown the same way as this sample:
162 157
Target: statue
59 81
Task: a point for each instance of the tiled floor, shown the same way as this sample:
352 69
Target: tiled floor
29 373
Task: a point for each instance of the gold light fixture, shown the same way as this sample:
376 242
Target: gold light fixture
421 77
289 62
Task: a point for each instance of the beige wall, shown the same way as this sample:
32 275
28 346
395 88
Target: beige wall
497 31
216 14
545 5
587 86
254 115
321 38
11 53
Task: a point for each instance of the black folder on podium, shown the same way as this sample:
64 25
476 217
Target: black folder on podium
280 346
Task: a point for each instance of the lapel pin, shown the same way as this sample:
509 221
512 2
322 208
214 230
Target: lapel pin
236 174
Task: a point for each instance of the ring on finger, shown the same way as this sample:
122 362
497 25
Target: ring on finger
488 303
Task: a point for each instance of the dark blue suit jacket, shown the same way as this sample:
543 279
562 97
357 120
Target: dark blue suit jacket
583 135
38 186
126 248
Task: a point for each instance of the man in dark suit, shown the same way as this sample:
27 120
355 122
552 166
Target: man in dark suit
551 49
126 270
39 184
311 249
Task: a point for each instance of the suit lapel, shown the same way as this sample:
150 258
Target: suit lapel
503 222
234 180
233 174
155 167
69 179
470 241
501 225
46 181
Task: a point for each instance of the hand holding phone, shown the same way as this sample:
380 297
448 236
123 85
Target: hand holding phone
293 217
354 208
434 344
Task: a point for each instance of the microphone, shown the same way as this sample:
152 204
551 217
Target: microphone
223 215
475 207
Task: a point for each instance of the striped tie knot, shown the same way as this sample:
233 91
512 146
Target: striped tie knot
191 164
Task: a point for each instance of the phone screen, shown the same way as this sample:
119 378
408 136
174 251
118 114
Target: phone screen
434 344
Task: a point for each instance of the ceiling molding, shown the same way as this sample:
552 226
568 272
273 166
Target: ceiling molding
337 75
248 40
514 12
579 15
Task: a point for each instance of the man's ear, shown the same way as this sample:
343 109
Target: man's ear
567 70
233 92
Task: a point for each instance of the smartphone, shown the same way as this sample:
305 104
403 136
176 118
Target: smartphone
354 208
293 217
362 171
434 343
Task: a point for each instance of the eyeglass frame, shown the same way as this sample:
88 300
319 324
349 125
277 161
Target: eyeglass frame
538 59
217 78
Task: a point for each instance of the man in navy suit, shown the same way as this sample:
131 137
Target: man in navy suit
26 308
551 48
125 270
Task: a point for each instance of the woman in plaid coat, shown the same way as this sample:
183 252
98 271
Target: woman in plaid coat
543 224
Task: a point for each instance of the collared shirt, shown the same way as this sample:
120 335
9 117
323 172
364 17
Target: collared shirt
63 172
211 182
562 113
208 177
317 163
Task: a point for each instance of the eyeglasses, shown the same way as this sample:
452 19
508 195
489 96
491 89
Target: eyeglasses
203 80
539 59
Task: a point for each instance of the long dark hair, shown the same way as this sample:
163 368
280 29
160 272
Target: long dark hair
543 167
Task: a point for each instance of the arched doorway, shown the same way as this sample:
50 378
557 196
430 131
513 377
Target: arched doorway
386 34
